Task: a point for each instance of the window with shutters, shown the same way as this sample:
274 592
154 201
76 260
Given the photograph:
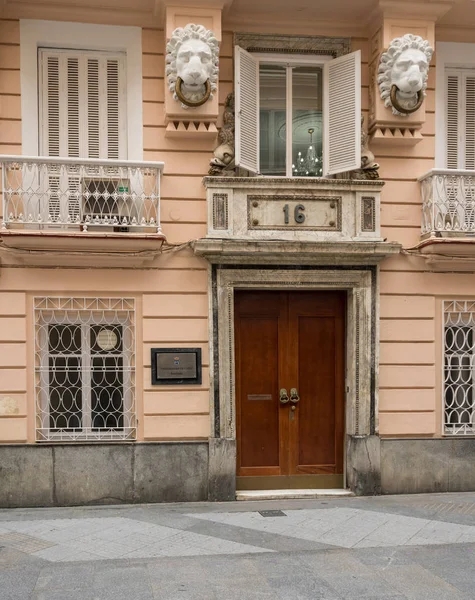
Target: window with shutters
82 104
297 116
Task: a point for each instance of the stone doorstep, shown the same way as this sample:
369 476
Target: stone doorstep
291 494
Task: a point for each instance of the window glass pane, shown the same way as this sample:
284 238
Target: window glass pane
307 121
458 377
272 81
107 377
65 383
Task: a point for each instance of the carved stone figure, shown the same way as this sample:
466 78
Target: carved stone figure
403 73
192 65
369 169
223 161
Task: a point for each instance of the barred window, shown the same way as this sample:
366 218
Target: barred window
85 368
459 323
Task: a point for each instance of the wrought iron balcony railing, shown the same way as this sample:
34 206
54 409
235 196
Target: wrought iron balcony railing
80 194
448 203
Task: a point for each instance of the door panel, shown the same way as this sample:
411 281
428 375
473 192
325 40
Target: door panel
290 340
259 419
258 319
316 411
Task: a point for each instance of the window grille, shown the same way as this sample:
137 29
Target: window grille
85 368
459 339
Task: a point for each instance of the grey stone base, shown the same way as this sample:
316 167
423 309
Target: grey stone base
222 470
363 467
414 466
66 475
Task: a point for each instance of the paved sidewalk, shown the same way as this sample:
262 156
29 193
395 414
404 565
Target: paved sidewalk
393 547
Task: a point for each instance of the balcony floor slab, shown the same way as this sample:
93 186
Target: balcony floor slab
83 249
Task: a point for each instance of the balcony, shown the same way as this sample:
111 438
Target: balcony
448 219
73 209
293 220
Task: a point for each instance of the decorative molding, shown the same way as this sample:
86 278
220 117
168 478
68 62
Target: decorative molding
292 44
368 216
191 129
256 205
220 211
337 200
360 359
395 136
288 182
278 252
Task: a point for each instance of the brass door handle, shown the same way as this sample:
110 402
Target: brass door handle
294 395
284 397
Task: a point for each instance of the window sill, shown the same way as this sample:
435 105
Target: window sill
82 249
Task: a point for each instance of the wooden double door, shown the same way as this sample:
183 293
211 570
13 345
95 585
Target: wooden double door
290 372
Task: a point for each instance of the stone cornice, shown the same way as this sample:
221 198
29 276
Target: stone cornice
395 9
277 252
292 183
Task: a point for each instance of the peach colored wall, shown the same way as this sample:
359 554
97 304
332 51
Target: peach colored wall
172 294
10 111
172 303
407 375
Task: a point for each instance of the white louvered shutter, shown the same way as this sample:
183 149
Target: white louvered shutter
452 120
469 85
460 118
246 110
83 104
342 114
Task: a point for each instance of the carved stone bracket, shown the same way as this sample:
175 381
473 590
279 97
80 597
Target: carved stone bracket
192 69
387 125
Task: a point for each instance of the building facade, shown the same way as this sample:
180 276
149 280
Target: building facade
251 273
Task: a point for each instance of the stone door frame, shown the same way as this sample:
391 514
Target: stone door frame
362 335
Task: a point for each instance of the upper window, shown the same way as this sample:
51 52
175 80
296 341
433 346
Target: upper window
82 104
298 116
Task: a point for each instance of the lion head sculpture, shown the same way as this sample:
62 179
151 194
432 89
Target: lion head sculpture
192 64
403 72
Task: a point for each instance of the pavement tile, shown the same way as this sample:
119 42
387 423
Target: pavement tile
65 578
18 583
297 587
385 548
417 583
80 594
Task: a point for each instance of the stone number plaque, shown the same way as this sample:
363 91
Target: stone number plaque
176 366
294 212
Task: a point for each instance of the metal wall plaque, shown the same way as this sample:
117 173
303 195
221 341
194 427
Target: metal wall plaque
319 213
176 366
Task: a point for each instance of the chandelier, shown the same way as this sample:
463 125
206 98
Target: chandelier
309 165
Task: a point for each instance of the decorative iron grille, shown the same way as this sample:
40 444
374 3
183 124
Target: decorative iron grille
83 194
448 202
85 368
459 352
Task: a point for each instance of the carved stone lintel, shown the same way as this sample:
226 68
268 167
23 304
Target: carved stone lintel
290 44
